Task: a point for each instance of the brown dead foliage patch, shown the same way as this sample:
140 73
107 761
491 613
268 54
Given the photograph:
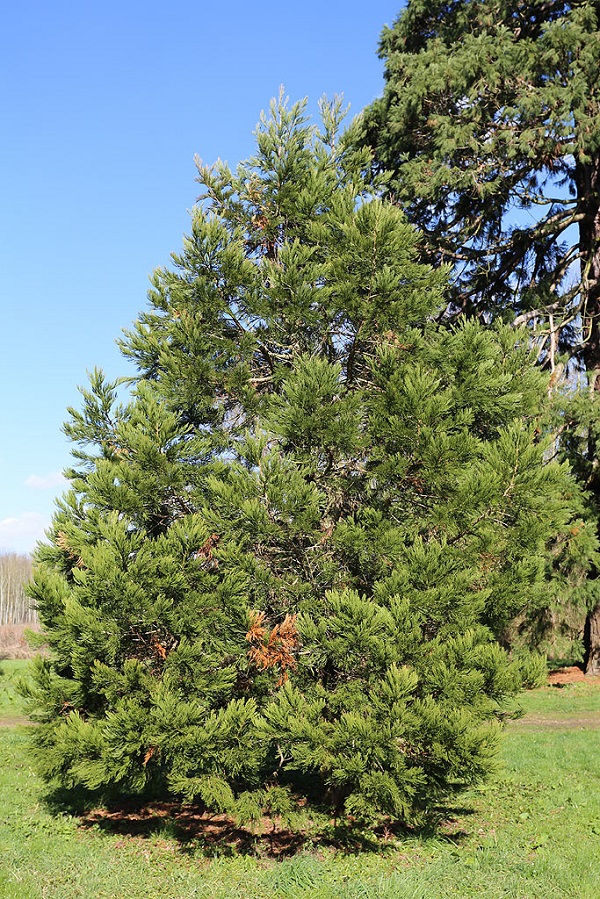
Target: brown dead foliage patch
275 648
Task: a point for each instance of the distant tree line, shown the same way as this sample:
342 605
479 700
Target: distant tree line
15 605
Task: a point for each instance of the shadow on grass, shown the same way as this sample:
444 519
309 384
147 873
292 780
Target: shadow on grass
195 830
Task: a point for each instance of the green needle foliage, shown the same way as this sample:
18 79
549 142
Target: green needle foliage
489 126
278 574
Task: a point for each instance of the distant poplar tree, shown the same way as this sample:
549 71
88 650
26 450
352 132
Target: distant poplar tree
15 605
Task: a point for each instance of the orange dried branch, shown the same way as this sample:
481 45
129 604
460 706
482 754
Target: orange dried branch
256 631
158 649
62 541
274 649
206 550
150 752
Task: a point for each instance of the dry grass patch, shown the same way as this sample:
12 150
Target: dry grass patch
14 643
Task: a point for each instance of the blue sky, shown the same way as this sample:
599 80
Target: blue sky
103 107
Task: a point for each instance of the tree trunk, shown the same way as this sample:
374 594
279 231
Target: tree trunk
591 642
587 178
588 189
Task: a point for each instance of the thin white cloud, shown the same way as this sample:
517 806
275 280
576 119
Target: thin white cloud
46 482
21 533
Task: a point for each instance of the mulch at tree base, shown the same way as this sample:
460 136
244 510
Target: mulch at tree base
572 675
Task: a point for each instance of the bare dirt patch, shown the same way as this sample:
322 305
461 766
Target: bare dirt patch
572 675
589 721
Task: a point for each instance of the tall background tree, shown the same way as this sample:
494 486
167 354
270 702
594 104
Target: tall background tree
280 569
489 128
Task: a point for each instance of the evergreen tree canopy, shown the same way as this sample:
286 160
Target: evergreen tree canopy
280 567
489 125
489 129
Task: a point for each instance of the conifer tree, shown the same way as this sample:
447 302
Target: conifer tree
279 570
489 129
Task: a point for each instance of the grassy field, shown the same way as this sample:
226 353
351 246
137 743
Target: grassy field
533 832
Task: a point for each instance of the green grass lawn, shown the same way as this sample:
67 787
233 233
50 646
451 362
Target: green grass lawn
571 700
11 705
534 831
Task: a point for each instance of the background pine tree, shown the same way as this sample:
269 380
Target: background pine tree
279 571
489 131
